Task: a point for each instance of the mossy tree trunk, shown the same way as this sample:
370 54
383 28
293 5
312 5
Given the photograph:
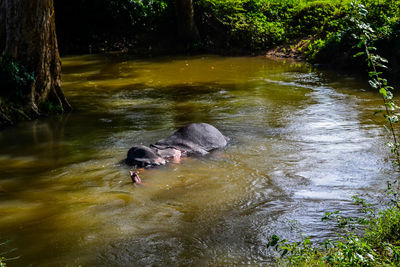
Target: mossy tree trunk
187 29
28 34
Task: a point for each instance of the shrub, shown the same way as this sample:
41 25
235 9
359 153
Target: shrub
339 43
386 227
108 24
312 19
379 246
248 25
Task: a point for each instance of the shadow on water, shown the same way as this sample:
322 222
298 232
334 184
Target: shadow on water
303 142
205 236
34 147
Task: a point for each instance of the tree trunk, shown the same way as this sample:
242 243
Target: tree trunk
28 28
2 25
187 29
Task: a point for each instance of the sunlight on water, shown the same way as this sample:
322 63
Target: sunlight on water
302 143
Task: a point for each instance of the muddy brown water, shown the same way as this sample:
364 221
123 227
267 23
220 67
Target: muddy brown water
303 142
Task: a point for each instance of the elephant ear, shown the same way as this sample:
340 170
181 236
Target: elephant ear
142 156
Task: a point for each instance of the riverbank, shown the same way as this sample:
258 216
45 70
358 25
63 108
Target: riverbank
369 240
318 31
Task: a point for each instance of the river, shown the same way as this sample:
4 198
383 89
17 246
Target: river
303 142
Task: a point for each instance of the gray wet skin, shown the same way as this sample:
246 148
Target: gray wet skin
193 139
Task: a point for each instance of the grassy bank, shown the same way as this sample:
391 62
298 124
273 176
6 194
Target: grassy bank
379 245
319 31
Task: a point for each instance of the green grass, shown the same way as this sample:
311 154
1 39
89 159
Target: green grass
379 246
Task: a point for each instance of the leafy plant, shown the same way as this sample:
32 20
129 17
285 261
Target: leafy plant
2 253
375 62
312 18
15 80
379 246
48 107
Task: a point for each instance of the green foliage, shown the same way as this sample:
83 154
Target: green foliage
354 251
385 228
367 36
379 246
294 254
381 14
246 24
313 19
15 89
48 107
227 25
3 251
15 80
260 25
100 25
341 39
253 31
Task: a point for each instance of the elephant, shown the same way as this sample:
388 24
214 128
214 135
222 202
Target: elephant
191 140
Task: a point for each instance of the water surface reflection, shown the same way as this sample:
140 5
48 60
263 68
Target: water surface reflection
303 142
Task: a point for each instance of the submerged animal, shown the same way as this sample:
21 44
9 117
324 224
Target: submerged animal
193 139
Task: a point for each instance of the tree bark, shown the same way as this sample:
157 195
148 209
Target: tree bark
2 25
28 28
187 29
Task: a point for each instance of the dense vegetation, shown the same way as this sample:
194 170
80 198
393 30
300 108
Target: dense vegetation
322 31
378 246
